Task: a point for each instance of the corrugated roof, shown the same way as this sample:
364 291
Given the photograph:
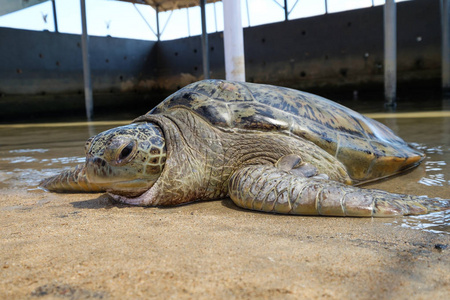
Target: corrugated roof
9 6
164 5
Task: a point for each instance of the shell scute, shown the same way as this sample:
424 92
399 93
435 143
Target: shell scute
223 91
255 116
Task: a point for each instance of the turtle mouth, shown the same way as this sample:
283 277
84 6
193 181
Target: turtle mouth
145 198
126 193
127 199
129 188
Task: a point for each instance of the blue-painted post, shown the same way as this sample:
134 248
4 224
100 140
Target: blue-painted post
445 20
205 46
390 52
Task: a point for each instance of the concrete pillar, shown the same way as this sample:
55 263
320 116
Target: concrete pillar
205 46
445 20
390 52
233 36
89 102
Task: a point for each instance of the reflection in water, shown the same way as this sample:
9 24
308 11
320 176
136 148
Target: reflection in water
20 159
435 175
28 171
28 151
28 155
28 178
438 222
64 160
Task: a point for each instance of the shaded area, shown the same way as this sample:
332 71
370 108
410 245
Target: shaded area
70 108
65 291
120 106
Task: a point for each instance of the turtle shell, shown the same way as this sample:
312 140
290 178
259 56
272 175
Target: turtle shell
367 148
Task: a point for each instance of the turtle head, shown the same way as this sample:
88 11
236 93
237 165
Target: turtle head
126 160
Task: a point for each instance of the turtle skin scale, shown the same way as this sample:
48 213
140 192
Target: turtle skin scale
268 148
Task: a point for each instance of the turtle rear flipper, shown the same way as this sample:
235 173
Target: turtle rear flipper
269 189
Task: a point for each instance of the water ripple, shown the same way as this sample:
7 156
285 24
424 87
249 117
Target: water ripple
437 222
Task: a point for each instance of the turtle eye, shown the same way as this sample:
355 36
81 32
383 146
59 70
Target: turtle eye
126 151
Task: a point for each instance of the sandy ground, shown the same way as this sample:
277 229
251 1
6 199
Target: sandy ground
82 246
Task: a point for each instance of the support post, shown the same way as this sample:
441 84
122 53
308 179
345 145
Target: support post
233 36
286 12
55 21
158 33
445 23
390 52
86 67
205 46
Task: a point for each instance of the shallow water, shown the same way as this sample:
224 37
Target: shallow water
30 153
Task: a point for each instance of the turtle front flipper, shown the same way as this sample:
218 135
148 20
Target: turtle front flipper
270 189
71 180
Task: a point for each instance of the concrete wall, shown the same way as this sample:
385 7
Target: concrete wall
330 50
45 62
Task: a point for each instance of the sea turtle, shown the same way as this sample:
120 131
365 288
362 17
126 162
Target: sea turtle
268 148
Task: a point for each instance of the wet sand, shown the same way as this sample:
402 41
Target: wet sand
84 246
87 247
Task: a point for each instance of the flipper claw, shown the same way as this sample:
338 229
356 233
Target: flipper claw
293 164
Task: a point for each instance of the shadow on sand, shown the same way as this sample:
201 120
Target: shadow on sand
102 201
